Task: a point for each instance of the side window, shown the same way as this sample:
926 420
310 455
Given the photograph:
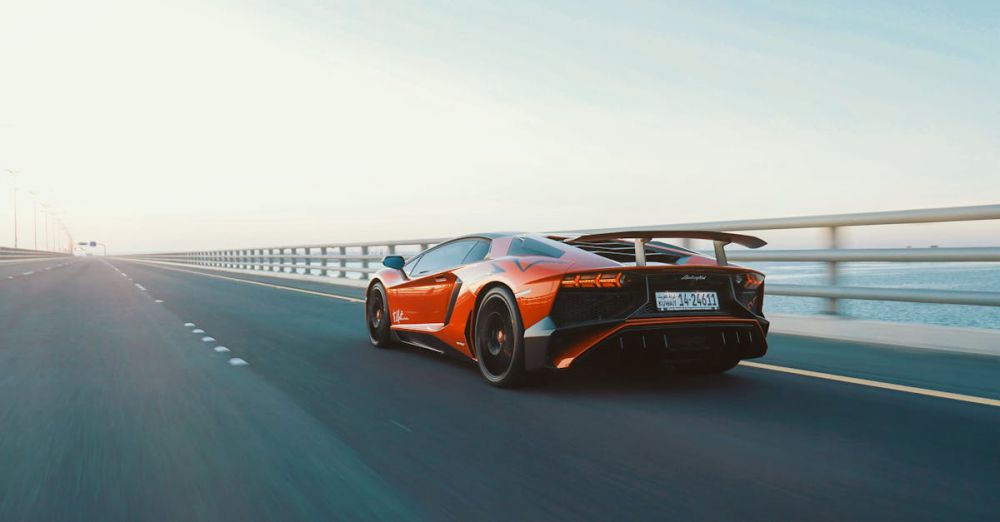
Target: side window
528 246
410 265
443 257
478 252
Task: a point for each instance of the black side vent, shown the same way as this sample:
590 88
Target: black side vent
585 305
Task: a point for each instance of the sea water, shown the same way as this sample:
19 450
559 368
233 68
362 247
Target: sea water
979 277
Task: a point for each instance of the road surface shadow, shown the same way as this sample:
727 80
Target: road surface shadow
595 380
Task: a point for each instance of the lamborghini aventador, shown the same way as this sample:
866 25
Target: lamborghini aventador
521 303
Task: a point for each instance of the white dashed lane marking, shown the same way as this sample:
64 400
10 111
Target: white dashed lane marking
208 339
408 430
221 349
197 331
236 361
189 325
159 300
140 287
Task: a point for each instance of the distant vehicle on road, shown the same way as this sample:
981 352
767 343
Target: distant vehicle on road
519 303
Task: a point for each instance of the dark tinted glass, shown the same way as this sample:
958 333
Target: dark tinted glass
443 257
478 252
410 265
526 246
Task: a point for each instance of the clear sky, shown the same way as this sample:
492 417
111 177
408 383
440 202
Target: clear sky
196 124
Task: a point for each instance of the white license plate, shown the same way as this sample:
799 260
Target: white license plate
670 301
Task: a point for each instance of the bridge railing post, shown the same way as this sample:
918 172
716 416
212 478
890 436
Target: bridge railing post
364 261
343 262
307 251
323 272
831 306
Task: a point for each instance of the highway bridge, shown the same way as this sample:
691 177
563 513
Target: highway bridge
132 390
239 384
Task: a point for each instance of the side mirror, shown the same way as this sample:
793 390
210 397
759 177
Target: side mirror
394 262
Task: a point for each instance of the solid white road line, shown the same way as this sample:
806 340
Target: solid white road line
259 283
874 384
750 364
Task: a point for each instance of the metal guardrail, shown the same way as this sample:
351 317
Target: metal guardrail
341 259
7 253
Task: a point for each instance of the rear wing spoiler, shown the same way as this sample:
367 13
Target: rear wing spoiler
641 237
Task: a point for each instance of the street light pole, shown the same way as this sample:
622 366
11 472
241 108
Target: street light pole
34 219
45 214
13 176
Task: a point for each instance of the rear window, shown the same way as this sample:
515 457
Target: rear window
528 246
624 251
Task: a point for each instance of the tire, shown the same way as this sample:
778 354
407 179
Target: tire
377 316
708 367
498 334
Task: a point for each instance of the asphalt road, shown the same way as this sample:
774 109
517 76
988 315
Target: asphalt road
112 409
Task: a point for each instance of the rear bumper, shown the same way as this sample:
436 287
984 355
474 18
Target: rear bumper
646 341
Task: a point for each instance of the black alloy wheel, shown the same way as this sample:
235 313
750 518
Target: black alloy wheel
377 316
499 339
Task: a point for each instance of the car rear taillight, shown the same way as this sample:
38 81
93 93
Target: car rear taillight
600 280
749 280
750 291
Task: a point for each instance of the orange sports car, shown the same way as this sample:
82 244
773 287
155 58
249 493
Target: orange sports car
519 303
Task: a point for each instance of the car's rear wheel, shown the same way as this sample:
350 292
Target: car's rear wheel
499 339
720 365
377 316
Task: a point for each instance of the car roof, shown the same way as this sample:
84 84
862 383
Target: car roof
489 235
